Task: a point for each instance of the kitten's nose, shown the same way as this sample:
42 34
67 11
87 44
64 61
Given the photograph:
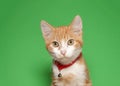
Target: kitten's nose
63 52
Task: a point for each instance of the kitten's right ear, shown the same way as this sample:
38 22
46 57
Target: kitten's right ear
46 29
77 25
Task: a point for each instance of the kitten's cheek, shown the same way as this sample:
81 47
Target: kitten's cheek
69 54
53 55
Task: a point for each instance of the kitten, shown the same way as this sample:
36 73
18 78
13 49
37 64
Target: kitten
64 43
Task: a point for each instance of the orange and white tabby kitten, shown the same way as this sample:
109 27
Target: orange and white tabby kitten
64 43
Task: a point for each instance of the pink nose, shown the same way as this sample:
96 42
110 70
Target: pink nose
63 52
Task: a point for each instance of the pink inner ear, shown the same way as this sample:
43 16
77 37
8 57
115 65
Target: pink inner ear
46 29
77 24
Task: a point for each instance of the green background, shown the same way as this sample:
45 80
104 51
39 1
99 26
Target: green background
24 60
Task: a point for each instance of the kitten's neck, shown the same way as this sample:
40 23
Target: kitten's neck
62 66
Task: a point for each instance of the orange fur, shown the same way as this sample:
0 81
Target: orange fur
65 33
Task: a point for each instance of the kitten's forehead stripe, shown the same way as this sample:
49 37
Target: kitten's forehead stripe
62 33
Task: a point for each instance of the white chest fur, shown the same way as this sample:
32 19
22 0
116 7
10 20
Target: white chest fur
78 70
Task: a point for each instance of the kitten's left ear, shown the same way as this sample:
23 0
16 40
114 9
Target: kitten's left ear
76 25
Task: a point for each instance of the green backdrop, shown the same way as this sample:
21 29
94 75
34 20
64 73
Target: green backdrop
24 60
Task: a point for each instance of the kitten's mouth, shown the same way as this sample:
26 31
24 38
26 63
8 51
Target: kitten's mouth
63 56
64 60
58 57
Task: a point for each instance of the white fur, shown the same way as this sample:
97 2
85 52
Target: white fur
71 52
76 69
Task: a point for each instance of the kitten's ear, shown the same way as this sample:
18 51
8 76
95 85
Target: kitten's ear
47 29
76 25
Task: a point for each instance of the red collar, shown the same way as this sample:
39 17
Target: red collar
61 66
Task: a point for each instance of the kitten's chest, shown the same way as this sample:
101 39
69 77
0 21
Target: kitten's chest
76 70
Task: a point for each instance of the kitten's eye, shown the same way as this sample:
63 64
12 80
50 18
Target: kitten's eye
70 42
55 44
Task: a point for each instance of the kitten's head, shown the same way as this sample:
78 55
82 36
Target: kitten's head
63 43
